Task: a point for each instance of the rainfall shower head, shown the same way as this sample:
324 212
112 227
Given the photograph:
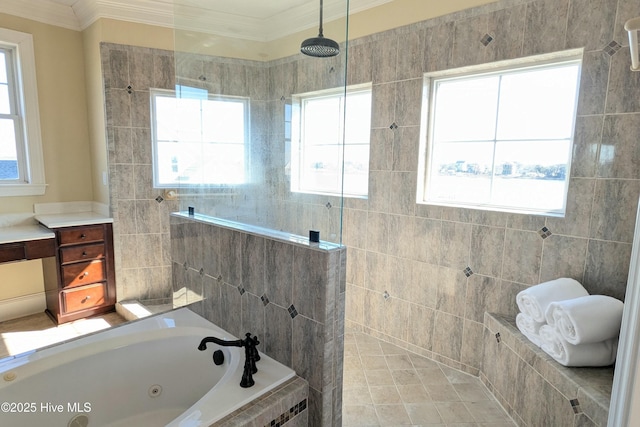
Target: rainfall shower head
320 47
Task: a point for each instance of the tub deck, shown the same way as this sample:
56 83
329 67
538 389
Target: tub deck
147 372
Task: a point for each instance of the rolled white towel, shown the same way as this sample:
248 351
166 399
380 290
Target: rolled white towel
588 319
534 301
529 328
593 354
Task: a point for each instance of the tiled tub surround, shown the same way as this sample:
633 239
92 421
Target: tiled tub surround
535 389
288 292
284 406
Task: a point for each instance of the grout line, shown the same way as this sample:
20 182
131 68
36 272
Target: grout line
377 407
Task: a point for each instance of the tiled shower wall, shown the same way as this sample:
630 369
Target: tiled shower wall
233 283
423 276
287 291
419 276
140 214
141 232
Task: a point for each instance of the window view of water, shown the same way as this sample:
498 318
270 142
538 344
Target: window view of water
523 192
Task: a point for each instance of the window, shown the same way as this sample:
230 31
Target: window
21 161
199 139
501 139
330 153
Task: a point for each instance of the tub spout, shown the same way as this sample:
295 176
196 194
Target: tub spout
205 341
251 355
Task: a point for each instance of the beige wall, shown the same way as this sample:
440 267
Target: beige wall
387 16
65 139
20 278
63 114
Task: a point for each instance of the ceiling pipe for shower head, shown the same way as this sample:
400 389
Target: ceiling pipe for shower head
320 47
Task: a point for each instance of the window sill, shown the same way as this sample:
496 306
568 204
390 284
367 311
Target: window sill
16 190
493 208
331 194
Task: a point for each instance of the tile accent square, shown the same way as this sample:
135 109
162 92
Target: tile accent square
612 48
544 232
575 405
292 311
486 39
264 299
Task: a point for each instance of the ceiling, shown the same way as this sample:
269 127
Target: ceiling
260 20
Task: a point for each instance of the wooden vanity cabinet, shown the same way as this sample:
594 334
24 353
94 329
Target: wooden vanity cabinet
80 280
27 250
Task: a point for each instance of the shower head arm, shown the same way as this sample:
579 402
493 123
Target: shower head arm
320 47
320 27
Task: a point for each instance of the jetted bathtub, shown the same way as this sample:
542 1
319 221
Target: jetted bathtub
145 373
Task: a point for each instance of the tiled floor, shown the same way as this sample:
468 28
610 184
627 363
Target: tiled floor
38 330
385 385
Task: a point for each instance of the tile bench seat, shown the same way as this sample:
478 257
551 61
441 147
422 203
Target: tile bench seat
534 388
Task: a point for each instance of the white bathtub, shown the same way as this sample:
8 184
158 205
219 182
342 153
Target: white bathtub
146 373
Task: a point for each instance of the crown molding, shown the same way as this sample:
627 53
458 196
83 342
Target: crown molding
44 11
161 13
139 11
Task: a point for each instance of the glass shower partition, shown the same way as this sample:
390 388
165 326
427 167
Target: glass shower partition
230 141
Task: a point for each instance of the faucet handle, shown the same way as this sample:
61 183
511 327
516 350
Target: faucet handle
254 350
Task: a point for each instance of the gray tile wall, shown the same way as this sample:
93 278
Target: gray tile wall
289 293
145 268
141 219
417 253
140 211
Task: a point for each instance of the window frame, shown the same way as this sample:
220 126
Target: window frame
22 78
564 58
154 140
298 145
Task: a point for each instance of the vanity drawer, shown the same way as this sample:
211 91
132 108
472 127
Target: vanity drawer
30 249
81 235
83 298
81 253
12 252
82 273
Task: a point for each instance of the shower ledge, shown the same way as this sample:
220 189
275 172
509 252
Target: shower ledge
590 387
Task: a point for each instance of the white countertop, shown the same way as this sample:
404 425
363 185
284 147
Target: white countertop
72 219
22 233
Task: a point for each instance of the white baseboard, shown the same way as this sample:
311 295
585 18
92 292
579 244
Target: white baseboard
22 306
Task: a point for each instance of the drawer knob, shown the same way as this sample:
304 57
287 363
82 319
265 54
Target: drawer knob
84 253
85 274
85 299
83 236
